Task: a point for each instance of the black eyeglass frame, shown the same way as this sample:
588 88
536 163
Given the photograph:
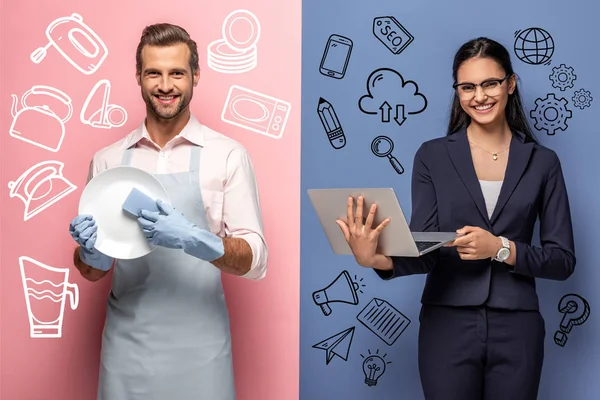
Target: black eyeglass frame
500 82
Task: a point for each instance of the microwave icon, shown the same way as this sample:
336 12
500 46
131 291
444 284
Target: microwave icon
256 112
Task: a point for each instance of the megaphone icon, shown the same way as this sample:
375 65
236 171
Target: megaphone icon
341 290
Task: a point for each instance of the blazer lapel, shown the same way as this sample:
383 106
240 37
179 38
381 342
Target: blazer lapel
460 154
518 158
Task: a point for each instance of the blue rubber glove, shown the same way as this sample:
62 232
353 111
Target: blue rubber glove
170 228
83 230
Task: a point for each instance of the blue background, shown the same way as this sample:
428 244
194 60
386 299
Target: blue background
439 28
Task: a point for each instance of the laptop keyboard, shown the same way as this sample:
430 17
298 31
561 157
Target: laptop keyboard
422 245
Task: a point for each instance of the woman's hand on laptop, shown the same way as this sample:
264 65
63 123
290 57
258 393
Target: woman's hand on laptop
361 236
475 243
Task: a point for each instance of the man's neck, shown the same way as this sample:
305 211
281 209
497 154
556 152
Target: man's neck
161 131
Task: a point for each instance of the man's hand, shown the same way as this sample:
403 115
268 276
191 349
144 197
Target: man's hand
89 273
476 243
170 228
84 231
167 228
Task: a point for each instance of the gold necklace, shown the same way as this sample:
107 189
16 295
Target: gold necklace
494 155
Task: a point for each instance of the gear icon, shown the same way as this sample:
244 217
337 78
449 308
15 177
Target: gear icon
562 77
582 98
551 114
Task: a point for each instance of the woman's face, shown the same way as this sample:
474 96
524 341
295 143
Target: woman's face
482 98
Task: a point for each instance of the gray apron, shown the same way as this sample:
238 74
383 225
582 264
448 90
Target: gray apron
167 334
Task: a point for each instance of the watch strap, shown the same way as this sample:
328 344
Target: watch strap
505 245
505 242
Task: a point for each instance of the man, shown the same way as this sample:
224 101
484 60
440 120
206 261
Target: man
167 325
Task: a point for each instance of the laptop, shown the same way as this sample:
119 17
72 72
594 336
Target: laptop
396 238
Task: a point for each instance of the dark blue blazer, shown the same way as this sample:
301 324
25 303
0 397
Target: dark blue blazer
446 196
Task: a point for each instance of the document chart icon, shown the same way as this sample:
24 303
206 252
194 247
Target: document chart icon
381 318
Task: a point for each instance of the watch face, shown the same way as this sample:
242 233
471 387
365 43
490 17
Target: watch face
503 254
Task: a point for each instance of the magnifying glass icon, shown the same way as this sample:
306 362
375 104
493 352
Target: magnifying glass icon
382 146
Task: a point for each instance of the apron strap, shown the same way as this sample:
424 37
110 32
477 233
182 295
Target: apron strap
195 164
127 156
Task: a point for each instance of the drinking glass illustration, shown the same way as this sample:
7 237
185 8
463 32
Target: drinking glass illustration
46 290
382 146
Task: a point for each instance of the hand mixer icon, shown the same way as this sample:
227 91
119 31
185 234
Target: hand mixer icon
76 42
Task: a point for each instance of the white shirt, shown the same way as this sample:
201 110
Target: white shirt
227 180
491 191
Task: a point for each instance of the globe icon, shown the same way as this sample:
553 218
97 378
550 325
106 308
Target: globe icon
534 46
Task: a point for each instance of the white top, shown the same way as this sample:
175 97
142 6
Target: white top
227 180
491 191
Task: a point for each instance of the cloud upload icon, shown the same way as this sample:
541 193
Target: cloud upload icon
391 97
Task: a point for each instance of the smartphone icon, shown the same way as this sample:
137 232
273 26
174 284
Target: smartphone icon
336 56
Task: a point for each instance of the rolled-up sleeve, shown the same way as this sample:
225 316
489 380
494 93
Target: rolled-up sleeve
92 171
242 214
96 166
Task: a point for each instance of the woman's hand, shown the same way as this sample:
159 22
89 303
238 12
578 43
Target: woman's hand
476 243
361 238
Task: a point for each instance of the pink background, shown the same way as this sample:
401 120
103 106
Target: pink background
264 314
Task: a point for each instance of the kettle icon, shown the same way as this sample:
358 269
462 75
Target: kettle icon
39 125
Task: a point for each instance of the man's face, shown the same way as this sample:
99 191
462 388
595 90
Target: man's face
166 79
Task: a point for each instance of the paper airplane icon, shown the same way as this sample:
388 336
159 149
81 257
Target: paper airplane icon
337 345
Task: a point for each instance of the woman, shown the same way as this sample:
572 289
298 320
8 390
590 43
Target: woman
481 334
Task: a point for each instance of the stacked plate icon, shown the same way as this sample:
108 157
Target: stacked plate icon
236 51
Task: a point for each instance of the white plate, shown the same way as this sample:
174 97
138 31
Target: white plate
119 235
249 26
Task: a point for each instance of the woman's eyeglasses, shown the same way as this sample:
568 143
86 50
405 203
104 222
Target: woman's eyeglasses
491 87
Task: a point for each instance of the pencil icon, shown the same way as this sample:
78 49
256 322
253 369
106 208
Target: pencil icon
331 123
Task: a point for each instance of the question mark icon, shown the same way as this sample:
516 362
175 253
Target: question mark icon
576 311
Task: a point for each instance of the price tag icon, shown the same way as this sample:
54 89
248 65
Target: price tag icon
392 34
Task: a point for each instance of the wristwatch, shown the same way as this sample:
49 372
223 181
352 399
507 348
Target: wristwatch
504 251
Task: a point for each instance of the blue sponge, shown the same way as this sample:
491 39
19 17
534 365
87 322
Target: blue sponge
137 200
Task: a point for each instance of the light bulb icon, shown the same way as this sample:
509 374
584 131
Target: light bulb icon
373 367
